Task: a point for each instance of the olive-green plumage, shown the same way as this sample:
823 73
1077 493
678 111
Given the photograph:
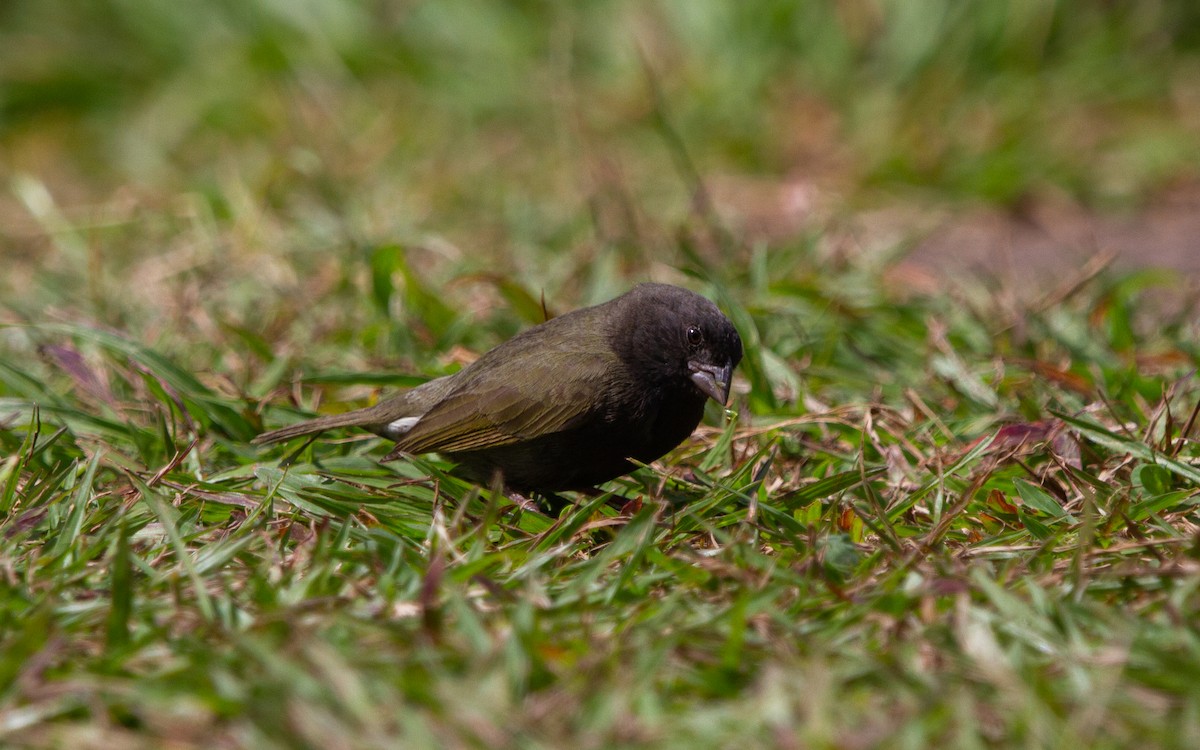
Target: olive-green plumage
565 404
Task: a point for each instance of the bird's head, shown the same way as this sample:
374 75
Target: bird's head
671 335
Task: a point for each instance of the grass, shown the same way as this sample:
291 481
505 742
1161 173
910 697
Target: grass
928 520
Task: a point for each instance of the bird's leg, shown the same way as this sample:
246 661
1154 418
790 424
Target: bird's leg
617 502
554 503
522 502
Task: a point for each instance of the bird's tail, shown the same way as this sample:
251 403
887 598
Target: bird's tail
366 418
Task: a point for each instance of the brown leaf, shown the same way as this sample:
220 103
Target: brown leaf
846 519
997 498
1025 433
632 507
1068 380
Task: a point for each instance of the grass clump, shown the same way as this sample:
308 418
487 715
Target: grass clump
964 518
922 561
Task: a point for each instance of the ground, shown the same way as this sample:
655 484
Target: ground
953 502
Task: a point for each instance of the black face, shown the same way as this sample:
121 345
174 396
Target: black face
714 349
672 334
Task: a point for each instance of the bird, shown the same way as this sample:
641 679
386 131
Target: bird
568 404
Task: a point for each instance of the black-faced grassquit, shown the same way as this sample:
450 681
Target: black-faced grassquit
564 405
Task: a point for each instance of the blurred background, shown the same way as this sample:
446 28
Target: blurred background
304 172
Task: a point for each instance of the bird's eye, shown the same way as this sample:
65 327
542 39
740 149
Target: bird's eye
695 336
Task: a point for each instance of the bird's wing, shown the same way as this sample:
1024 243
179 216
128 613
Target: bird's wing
509 404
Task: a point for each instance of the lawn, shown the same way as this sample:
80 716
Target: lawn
960 517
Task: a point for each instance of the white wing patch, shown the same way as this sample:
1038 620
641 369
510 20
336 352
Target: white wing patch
395 430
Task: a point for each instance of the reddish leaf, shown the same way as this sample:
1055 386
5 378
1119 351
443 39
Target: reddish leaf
997 498
72 362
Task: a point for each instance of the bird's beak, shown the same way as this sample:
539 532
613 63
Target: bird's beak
713 380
